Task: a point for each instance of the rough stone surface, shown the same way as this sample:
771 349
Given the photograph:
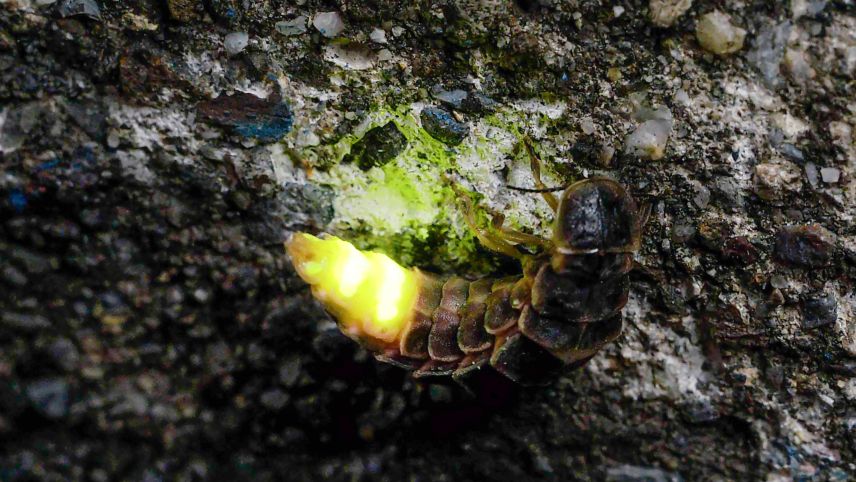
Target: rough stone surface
378 146
151 327
440 124
808 246
717 35
665 12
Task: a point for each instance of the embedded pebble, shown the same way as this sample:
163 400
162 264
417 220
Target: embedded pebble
440 124
296 26
811 174
274 399
769 50
649 139
664 13
800 8
773 180
247 115
461 100
841 132
806 246
587 125
702 196
290 371
23 321
64 353
797 64
378 146
49 397
236 42
830 175
352 56
85 8
819 310
330 24
718 35
378 36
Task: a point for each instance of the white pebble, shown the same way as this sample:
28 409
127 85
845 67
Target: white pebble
236 42
798 65
774 179
378 36
649 139
618 11
664 13
384 55
587 125
717 35
841 132
292 27
351 57
830 175
328 23
811 173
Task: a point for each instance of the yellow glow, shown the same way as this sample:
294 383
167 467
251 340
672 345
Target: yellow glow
370 294
352 273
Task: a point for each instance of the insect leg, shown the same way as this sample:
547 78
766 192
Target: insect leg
535 165
515 236
489 239
645 213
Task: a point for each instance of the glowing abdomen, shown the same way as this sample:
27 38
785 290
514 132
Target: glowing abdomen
370 295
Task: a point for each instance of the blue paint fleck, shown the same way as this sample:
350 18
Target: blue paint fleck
18 200
48 165
271 126
231 13
564 76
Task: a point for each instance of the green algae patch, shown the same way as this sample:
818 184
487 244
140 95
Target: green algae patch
407 208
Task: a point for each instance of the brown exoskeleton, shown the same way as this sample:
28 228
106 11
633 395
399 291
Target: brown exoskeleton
559 312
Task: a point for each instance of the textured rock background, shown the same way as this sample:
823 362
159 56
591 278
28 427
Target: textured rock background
155 154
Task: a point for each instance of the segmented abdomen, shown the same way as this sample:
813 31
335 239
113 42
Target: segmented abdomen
525 327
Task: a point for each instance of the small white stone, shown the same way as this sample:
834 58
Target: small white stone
798 66
113 139
792 127
664 13
717 35
830 175
397 31
618 11
811 173
702 197
378 35
307 138
772 180
649 139
236 42
801 8
587 125
351 57
292 27
384 55
606 154
328 23
841 132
